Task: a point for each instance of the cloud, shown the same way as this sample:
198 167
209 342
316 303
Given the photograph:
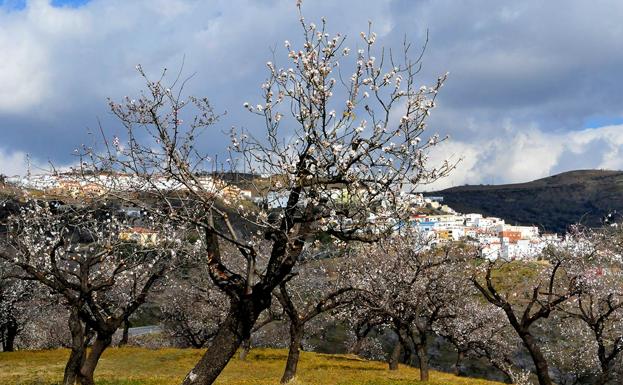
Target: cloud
530 154
23 73
523 75
13 163
66 61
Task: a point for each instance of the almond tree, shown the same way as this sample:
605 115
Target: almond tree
192 307
361 328
13 295
412 287
47 320
273 314
602 312
80 254
599 305
12 291
369 328
28 314
478 330
570 349
334 133
553 283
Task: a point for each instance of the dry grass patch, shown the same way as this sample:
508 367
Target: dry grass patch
138 366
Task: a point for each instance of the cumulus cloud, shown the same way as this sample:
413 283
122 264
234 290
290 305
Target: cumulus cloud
530 154
23 72
18 163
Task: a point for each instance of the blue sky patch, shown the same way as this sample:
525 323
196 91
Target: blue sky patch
13 4
18 5
601 121
69 3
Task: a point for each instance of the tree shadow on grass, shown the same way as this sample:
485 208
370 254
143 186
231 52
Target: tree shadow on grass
345 367
342 358
267 357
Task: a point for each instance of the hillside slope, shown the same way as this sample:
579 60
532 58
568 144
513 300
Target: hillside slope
552 203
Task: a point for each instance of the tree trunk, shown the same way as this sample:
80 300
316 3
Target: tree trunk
356 347
72 368
605 361
603 377
296 336
410 355
542 369
244 351
232 332
460 355
422 354
78 350
88 368
12 329
126 332
394 357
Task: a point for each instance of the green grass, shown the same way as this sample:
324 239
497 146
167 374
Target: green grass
138 366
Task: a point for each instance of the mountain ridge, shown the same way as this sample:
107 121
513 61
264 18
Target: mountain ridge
552 203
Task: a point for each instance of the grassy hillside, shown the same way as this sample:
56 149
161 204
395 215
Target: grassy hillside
552 203
136 366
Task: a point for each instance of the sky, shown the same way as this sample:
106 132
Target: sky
534 87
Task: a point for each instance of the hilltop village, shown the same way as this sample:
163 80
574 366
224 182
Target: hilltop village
438 223
494 237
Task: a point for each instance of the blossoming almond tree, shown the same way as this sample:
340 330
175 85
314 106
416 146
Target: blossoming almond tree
333 135
599 305
79 252
553 283
14 294
478 330
412 287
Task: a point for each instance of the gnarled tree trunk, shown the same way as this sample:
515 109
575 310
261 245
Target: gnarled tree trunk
460 356
12 329
236 328
90 363
356 347
603 378
605 360
78 349
542 369
296 336
422 354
